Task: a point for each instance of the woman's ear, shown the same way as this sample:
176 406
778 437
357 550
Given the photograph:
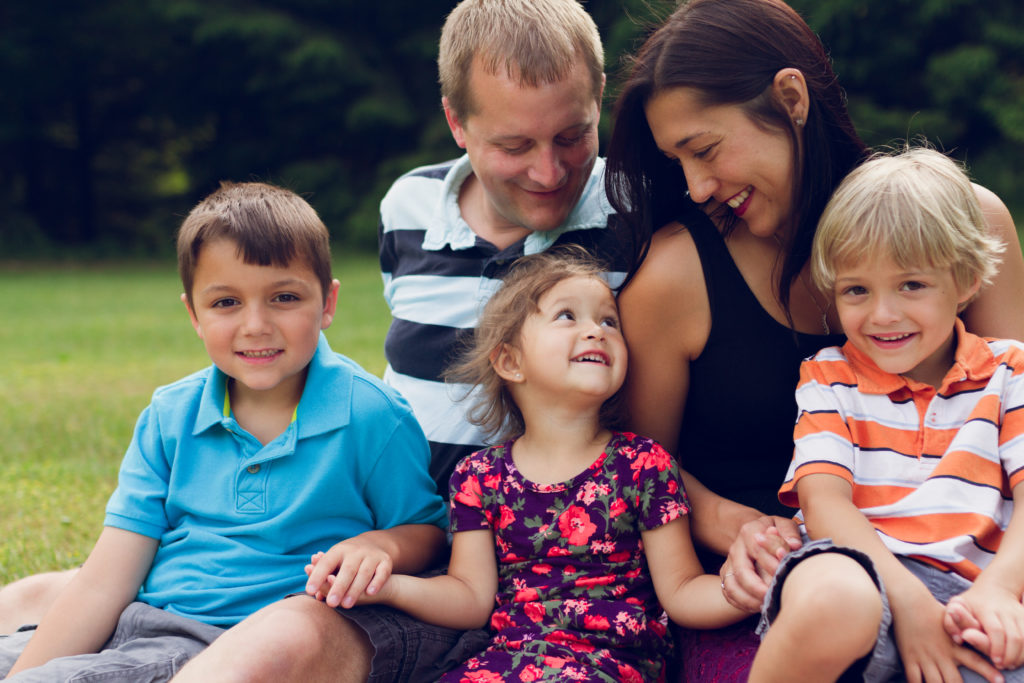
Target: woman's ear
506 362
791 90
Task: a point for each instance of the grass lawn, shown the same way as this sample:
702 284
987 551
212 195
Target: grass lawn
84 348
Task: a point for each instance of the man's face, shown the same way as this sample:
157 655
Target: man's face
532 149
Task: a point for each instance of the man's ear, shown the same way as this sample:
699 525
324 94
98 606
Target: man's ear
791 90
454 124
192 315
506 361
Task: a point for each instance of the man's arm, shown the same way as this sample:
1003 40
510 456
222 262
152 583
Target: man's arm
83 617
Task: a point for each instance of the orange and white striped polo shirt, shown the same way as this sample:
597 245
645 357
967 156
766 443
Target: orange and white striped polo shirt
933 471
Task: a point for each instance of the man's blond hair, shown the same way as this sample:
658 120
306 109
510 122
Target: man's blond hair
918 208
532 41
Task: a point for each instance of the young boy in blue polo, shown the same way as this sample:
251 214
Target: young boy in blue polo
238 473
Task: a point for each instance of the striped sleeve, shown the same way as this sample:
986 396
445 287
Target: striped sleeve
822 440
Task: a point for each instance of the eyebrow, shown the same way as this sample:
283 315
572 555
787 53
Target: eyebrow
277 284
688 139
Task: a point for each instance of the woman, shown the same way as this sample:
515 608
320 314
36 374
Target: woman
730 134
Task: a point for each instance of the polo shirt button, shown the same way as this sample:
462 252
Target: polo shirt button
252 469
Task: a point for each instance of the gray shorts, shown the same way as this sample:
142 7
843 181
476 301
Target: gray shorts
148 644
407 650
883 663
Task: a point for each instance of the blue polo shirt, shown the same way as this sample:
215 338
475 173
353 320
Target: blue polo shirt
236 520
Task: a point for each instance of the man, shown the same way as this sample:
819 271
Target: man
521 82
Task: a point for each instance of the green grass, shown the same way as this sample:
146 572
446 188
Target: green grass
83 348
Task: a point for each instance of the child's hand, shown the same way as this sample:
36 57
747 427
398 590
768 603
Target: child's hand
753 559
991 620
349 571
927 651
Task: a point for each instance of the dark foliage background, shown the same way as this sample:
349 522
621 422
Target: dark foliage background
115 117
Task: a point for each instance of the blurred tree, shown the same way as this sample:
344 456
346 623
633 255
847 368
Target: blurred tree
949 70
117 117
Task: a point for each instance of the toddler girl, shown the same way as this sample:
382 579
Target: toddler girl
569 537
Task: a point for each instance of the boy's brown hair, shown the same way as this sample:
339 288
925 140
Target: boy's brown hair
270 225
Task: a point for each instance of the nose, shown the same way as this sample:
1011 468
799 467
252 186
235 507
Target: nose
884 311
595 330
547 168
701 183
255 320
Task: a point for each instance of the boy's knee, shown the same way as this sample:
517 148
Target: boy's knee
832 592
289 640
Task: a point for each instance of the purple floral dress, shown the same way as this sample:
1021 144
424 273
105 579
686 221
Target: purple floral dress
575 599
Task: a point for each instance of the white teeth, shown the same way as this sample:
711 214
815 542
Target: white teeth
590 358
895 337
259 354
737 200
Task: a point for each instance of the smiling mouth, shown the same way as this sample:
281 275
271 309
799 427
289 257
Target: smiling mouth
736 201
591 358
262 353
892 337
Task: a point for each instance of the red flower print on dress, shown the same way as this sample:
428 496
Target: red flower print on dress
620 556
595 622
491 481
575 643
507 517
535 611
558 551
531 673
482 676
554 662
617 507
575 525
500 620
628 674
526 595
541 568
469 493
591 581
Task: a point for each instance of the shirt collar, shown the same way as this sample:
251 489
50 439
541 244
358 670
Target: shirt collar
973 360
325 405
449 229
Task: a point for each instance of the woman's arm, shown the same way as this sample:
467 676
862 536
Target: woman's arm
461 599
997 311
666 318
85 613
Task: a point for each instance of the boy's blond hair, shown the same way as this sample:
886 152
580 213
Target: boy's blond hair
916 207
494 409
270 225
534 41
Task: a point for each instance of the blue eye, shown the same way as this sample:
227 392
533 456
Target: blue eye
565 315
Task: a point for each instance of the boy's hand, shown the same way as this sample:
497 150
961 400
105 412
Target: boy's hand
927 651
347 571
991 620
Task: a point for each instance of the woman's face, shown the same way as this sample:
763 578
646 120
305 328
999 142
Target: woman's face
726 157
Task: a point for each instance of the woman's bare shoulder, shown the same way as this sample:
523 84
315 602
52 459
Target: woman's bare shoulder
668 291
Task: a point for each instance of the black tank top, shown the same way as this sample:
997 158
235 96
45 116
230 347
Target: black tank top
737 432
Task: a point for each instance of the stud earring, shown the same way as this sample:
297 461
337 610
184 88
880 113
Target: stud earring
799 123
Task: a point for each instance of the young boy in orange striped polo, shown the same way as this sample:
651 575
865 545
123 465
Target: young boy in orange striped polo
909 459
